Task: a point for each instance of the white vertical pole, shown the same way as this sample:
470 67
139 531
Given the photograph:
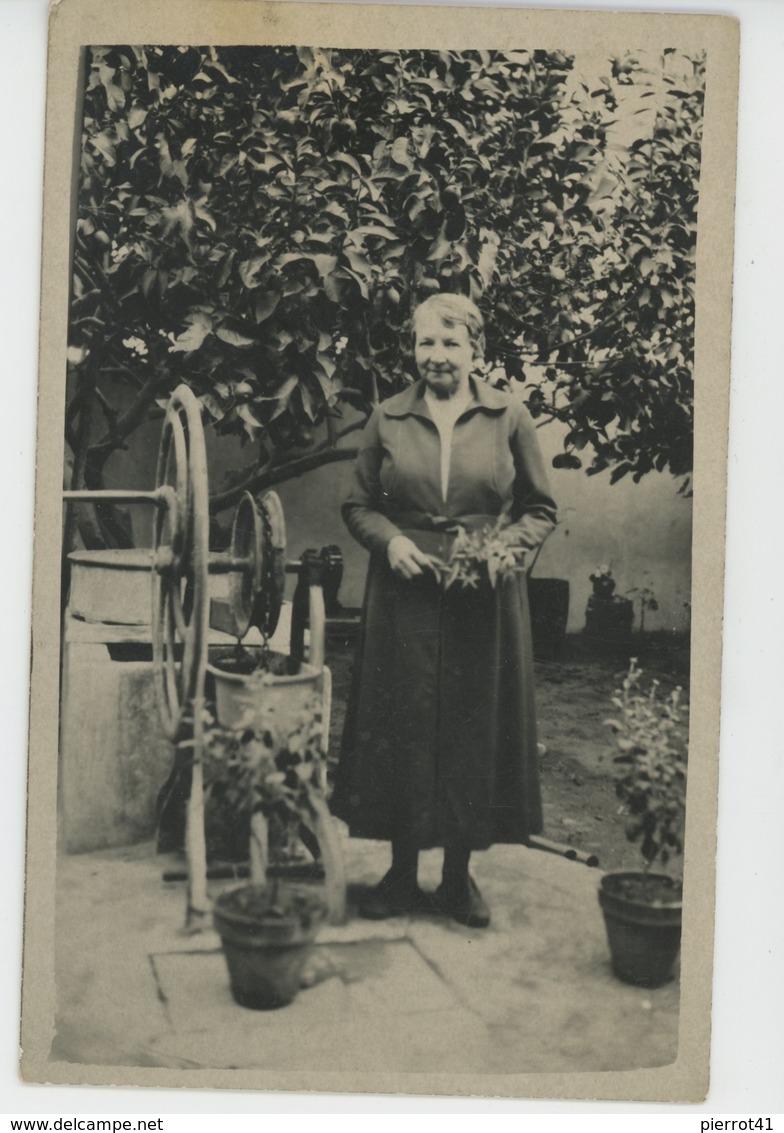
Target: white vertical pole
198 908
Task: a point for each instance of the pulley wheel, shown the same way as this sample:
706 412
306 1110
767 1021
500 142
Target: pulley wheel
275 565
180 604
249 547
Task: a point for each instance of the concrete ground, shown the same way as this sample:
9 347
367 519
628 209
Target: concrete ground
533 993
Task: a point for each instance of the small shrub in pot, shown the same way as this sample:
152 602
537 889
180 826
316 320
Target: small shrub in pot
642 909
276 768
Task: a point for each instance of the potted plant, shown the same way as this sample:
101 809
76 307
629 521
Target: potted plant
642 910
267 934
270 765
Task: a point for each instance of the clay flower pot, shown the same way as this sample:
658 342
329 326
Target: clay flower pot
642 915
266 939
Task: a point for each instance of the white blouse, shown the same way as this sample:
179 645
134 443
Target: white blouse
445 412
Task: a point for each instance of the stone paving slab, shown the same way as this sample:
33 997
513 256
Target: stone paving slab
369 995
372 977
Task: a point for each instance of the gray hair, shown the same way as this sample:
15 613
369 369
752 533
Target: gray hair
455 310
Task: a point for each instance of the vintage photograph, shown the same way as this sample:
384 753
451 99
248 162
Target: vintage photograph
375 573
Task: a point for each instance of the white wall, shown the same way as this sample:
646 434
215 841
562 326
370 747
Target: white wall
643 531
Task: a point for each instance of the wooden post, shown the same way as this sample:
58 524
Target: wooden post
198 908
325 830
317 623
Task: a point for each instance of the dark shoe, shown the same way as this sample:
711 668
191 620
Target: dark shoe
464 903
393 898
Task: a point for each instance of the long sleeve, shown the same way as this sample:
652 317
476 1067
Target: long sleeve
533 513
361 510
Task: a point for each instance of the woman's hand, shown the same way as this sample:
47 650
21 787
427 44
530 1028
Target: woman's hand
406 559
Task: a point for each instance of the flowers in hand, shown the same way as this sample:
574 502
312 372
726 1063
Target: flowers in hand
489 553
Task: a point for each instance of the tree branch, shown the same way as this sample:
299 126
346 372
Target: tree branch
110 415
71 413
341 433
88 320
259 477
281 473
534 358
331 430
126 372
125 424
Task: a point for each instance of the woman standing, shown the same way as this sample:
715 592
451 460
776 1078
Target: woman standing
439 747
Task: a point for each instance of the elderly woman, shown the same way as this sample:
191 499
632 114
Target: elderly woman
439 748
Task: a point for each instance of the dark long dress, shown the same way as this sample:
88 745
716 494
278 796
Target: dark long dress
440 736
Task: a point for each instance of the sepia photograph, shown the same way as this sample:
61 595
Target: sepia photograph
382 445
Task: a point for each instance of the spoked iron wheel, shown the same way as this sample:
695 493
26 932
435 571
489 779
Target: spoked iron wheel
180 601
180 615
258 552
248 548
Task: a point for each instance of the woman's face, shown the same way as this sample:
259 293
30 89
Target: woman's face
443 354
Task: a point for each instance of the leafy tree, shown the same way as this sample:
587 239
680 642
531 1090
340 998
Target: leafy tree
260 222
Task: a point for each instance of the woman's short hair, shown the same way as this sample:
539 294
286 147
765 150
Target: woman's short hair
455 310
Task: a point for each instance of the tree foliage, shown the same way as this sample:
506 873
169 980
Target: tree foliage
260 223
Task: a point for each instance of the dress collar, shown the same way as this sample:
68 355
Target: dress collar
412 400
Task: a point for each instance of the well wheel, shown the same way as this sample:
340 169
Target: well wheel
258 554
180 601
270 602
248 547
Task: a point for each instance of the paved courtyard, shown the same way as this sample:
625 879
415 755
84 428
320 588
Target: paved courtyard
533 993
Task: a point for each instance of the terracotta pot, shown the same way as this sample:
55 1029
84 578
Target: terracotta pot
266 953
643 928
